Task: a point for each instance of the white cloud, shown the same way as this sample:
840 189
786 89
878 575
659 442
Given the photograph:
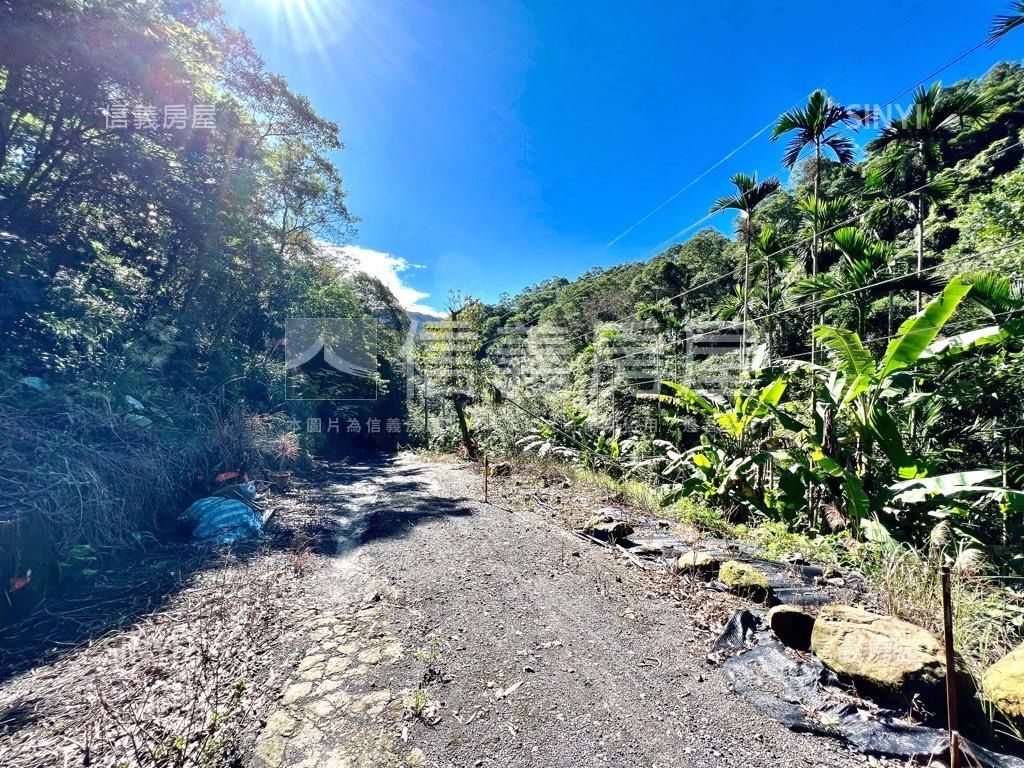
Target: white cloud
387 268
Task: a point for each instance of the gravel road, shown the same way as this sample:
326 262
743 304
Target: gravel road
522 645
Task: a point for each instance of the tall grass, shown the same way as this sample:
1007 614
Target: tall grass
90 471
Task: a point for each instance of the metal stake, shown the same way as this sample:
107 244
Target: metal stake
947 622
487 471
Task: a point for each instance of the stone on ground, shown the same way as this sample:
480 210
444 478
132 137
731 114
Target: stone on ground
886 655
792 626
607 528
744 579
702 562
1003 683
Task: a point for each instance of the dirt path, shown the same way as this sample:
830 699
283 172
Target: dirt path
464 634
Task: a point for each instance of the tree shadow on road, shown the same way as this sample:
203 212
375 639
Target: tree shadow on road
405 500
131 584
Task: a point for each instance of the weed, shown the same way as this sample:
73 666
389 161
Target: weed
431 653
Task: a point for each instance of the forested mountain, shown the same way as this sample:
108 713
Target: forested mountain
979 213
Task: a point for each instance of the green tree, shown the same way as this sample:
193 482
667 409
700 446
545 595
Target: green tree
750 193
915 141
1006 23
821 125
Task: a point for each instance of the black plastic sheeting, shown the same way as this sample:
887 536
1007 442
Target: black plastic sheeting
796 690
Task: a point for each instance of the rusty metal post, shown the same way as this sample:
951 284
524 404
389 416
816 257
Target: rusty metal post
487 471
947 625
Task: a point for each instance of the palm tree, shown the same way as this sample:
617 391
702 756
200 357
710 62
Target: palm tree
1002 24
820 217
750 193
820 124
862 275
773 248
916 140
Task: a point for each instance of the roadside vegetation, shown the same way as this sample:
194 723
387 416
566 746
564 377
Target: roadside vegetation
148 268
879 394
842 378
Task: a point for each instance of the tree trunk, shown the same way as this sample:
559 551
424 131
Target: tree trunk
814 252
920 245
746 294
811 505
460 400
768 304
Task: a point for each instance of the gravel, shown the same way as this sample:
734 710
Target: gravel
536 648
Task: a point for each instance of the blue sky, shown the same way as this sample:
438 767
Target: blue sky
492 144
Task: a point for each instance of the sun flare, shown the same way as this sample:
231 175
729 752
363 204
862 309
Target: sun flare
311 24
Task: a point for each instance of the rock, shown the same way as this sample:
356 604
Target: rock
1003 683
698 561
501 469
792 626
313 660
607 528
321 708
296 691
270 751
744 579
337 665
884 655
371 656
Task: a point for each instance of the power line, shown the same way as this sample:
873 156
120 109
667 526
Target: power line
876 339
836 297
956 325
802 355
869 286
802 240
816 303
760 132
704 218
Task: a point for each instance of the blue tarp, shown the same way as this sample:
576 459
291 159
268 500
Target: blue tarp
223 520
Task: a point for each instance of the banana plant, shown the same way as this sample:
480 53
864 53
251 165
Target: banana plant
732 459
866 392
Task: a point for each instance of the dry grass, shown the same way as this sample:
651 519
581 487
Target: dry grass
181 688
988 616
83 473
78 471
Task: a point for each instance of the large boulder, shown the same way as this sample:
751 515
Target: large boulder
1003 684
792 626
890 658
744 579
